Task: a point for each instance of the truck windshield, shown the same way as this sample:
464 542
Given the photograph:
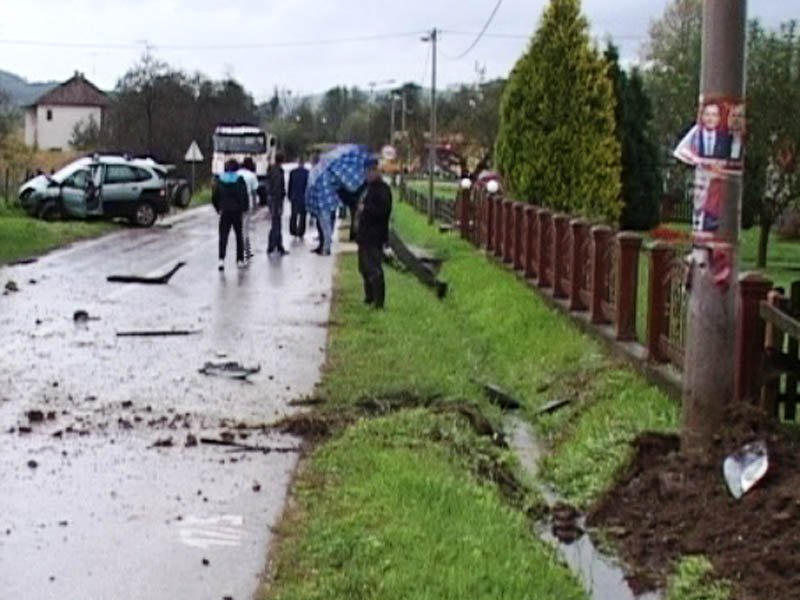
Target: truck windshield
240 144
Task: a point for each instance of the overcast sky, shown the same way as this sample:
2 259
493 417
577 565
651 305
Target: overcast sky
103 38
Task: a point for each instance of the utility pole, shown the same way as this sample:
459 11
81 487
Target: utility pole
432 148
391 120
406 137
708 378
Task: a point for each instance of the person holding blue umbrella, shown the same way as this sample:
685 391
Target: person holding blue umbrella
344 167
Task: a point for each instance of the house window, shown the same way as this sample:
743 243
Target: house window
49 114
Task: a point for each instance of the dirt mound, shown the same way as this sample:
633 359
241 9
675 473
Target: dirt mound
666 506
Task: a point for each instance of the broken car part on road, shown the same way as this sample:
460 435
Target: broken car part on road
158 333
158 280
745 468
230 369
422 265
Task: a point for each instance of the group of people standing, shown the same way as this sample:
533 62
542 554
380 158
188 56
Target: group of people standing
235 198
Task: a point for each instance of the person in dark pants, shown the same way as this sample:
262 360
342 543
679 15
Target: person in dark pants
298 181
350 200
277 194
230 200
373 234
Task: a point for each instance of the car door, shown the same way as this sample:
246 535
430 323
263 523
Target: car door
121 188
74 193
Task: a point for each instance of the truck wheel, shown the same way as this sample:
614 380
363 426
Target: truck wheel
51 211
144 215
182 195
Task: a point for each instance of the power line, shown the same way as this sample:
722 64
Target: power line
482 32
245 46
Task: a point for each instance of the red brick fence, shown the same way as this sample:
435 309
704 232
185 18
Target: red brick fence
593 273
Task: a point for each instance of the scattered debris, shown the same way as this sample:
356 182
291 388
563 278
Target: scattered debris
565 523
745 468
423 266
35 416
32 464
307 402
82 316
256 487
11 287
159 280
163 443
499 396
158 333
191 441
553 406
23 261
247 447
230 369
206 562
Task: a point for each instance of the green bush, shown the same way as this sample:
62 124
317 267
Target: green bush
557 144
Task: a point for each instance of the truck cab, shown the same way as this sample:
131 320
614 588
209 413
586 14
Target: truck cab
240 142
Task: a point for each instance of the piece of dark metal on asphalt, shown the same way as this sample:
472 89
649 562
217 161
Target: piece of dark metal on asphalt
163 443
229 369
157 280
159 333
553 406
237 447
82 316
22 261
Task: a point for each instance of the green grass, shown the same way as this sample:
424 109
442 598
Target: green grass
389 514
201 197
693 580
441 189
22 236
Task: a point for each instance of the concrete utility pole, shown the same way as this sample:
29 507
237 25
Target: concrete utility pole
432 147
708 377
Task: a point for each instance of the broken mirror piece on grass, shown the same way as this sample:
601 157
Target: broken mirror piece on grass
745 468
228 369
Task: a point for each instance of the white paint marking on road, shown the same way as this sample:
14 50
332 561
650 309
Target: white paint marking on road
221 530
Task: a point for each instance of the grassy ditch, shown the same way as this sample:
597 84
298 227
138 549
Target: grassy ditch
409 495
22 236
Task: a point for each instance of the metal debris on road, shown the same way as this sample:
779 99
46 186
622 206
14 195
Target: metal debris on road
229 369
11 287
158 333
82 316
236 446
158 280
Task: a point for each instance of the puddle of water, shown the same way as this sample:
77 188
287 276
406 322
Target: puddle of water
600 575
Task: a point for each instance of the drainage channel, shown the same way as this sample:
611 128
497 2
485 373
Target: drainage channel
601 575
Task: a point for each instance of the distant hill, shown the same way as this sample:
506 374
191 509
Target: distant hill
20 91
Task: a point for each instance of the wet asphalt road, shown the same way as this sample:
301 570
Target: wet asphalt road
89 509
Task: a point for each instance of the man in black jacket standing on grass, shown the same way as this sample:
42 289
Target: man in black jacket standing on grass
373 234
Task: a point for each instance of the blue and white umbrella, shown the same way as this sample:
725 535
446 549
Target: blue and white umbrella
342 167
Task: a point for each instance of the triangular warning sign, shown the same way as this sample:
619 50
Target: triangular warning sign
193 154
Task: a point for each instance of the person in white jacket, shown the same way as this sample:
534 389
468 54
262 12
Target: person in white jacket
248 173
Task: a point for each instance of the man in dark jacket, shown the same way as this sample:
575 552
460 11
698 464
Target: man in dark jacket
277 194
373 234
298 182
230 200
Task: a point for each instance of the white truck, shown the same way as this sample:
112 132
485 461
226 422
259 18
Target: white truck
240 142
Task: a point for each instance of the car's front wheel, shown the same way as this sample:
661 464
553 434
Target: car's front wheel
51 210
144 215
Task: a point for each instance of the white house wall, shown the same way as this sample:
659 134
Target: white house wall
30 126
57 132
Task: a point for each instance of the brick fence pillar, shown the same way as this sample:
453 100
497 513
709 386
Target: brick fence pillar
545 223
508 229
577 260
498 226
630 245
601 237
749 345
528 239
559 254
463 211
661 255
519 207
